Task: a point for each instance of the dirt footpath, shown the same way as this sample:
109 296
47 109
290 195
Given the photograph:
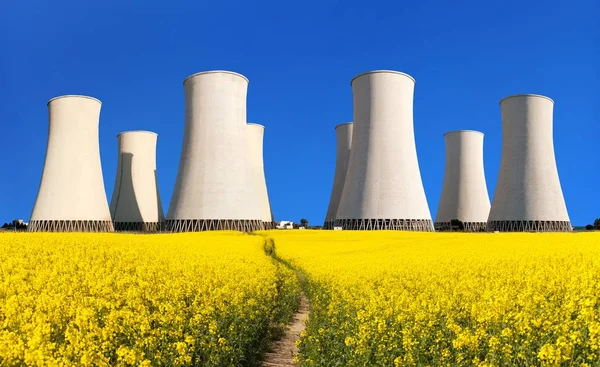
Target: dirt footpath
285 349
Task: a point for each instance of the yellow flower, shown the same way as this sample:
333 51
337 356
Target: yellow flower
457 299
83 299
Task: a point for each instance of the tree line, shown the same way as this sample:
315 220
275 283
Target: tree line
595 226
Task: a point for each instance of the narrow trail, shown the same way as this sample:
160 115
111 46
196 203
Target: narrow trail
285 349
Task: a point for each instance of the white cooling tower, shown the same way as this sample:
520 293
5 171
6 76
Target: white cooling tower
343 134
71 197
464 195
135 204
528 195
383 188
214 189
255 145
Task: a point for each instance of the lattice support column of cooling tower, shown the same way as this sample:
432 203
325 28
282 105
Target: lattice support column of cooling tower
528 194
475 226
420 225
329 224
269 225
464 194
70 226
196 225
467 226
71 197
214 189
529 226
139 227
343 134
135 204
382 187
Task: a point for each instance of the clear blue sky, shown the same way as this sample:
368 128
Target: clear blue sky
300 57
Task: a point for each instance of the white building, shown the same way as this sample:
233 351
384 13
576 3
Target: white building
383 188
284 224
464 194
71 197
135 204
528 194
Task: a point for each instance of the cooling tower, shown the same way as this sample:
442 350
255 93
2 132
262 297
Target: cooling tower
255 154
464 195
71 197
343 134
528 195
214 188
383 188
135 204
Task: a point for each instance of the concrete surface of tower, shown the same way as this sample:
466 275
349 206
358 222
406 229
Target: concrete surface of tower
214 189
71 197
383 188
528 194
256 134
343 134
135 204
464 194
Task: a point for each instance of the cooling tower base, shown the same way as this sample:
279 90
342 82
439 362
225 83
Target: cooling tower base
148 227
70 226
529 226
467 226
328 224
419 225
269 225
199 225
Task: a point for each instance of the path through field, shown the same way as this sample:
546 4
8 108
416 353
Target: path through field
284 349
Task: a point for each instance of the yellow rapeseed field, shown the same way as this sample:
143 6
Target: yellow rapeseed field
204 299
433 299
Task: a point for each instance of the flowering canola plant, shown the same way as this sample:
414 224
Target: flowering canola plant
432 299
204 299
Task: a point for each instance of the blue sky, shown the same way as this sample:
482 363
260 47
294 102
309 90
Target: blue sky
300 58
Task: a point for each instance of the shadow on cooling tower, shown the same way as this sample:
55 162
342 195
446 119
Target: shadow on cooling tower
126 202
158 202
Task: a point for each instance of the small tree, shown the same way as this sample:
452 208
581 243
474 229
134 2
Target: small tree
589 227
457 225
597 223
304 223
